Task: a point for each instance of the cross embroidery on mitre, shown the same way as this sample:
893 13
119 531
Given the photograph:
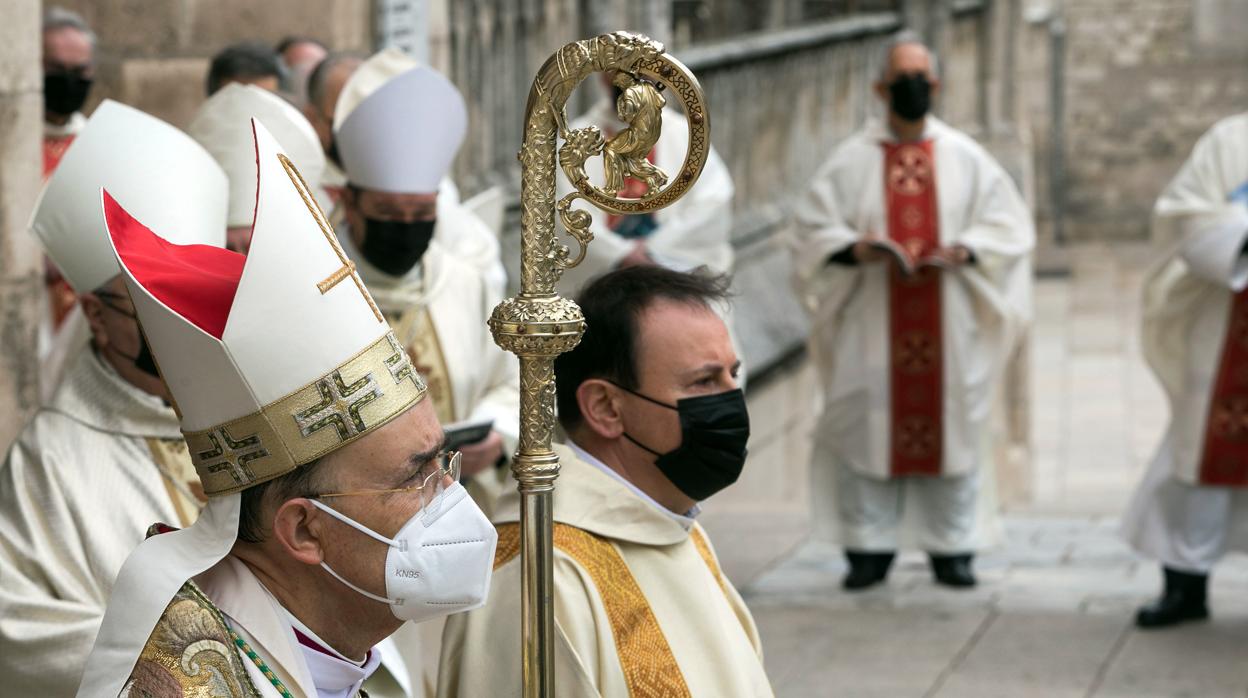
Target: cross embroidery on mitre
339 406
232 455
400 365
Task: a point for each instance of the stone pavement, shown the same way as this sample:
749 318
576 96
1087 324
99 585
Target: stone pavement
1052 613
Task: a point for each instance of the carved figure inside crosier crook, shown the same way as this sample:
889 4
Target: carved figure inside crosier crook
640 105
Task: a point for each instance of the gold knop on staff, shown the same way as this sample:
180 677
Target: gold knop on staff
537 325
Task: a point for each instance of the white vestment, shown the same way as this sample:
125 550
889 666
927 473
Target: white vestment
692 232
1202 221
89 473
984 306
641 606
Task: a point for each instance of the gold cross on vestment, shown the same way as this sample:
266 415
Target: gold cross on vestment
348 267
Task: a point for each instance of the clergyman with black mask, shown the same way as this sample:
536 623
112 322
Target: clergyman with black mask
912 250
432 266
68 73
656 423
104 457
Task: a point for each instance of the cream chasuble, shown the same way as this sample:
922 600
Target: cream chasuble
982 308
641 605
1193 503
90 472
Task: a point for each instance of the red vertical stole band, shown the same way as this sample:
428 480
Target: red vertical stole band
916 344
1225 458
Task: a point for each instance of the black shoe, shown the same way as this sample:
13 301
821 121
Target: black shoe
866 569
953 570
1183 600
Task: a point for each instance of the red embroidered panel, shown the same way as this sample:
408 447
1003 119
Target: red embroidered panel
1225 458
916 344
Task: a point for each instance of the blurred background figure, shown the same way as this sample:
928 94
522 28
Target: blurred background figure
68 73
223 127
246 62
912 250
299 56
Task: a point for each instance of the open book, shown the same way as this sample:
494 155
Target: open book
910 262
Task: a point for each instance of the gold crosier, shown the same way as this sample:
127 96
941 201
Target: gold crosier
538 324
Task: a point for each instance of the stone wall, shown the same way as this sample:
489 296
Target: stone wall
21 118
1144 79
155 55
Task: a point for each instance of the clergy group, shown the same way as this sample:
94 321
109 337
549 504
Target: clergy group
272 456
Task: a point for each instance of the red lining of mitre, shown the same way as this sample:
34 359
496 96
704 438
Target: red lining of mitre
197 281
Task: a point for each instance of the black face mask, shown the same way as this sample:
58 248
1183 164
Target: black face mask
911 96
64 93
713 432
144 361
394 246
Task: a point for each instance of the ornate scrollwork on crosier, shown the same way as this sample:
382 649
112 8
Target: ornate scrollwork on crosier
576 222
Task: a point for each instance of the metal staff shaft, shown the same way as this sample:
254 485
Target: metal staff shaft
537 325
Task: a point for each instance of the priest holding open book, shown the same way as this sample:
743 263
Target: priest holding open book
912 254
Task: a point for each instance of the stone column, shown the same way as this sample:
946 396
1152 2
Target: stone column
21 124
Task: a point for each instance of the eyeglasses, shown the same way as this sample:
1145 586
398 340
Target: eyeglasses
431 487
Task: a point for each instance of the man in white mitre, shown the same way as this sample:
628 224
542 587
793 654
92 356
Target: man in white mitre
103 459
431 265
223 127
912 253
334 515
1192 506
656 423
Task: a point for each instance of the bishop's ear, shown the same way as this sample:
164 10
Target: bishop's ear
297 527
600 408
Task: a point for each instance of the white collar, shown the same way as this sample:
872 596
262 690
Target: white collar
685 520
70 128
333 674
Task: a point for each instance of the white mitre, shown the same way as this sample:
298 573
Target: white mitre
404 135
152 168
370 75
274 360
223 126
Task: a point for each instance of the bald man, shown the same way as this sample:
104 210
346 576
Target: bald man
912 252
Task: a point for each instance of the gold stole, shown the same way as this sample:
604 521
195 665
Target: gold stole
190 653
415 330
173 460
650 668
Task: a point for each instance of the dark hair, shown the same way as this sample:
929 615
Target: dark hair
246 60
612 305
293 39
302 481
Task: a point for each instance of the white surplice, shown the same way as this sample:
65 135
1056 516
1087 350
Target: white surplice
626 558
78 489
985 306
1201 221
692 232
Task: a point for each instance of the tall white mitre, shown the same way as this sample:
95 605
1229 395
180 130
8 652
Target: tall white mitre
223 127
398 125
274 360
157 171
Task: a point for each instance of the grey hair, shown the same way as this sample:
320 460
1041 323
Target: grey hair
903 38
57 17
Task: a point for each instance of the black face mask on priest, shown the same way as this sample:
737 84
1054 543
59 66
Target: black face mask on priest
391 230
652 390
